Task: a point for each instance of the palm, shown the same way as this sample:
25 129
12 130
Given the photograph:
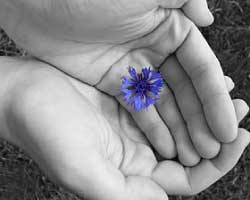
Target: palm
122 142
72 127
82 107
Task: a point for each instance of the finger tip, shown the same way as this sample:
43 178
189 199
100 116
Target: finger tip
189 160
167 149
223 123
244 106
245 135
187 155
206 22
210 18
170 153
227 130
166 146
229 83
203 19
228 135
241 108
211 152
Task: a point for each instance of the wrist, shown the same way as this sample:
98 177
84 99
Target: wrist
11 71
18 78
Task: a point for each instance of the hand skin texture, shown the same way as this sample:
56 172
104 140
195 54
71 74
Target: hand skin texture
96 151
188 121
101 21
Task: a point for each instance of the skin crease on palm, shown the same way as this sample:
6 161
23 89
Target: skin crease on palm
197 73
79 20
102 140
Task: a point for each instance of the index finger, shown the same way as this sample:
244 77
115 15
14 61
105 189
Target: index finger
207 76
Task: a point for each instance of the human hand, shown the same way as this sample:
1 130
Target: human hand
98 21
82 144
197 70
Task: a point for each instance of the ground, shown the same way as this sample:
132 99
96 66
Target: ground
21 179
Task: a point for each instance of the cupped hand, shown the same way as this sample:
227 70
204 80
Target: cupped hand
195 98
99 21
84 140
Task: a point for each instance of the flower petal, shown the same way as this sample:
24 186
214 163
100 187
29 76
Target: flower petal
155 75
138 103
153 89
132 73
128 94
126 82
158 83
146 72
150 101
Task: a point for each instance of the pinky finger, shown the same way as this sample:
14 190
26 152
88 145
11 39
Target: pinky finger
242 109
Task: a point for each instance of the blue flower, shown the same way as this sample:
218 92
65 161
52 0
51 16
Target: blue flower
141 89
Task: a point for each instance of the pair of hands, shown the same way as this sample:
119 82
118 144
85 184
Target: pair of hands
199 96
82 137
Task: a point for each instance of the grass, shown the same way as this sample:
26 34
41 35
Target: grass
21 179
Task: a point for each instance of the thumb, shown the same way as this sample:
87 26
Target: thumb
98 178
196 10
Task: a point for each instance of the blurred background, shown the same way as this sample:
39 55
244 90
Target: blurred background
229 36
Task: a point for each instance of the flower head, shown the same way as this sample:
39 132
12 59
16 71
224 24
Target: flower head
141 89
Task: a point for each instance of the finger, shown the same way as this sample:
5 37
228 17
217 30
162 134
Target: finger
242 109
181 182
170 113
196 10
177 180
179 35
191 108
229 83
155 130
148 120
207 77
